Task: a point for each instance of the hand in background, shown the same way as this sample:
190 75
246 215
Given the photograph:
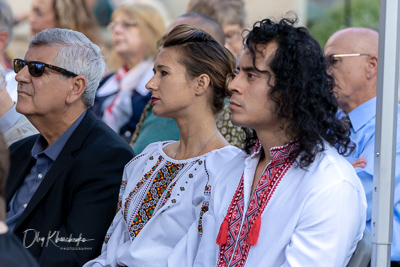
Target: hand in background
5 100
359 163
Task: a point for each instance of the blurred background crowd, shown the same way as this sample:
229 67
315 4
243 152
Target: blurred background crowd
128 34
322 17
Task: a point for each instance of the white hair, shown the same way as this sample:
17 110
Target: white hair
77 54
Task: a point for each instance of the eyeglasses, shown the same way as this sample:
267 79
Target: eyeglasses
123 24
36 68
332 59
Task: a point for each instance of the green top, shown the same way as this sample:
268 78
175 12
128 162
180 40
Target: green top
153 129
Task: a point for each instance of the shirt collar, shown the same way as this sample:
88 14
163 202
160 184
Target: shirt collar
54 150
277 152
362 114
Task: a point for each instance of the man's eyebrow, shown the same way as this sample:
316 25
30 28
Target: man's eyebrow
247 68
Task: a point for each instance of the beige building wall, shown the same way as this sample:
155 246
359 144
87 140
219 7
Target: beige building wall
256 10
260 9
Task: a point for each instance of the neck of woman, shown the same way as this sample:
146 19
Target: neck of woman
197 137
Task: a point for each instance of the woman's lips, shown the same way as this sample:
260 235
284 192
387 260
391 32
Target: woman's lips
153 99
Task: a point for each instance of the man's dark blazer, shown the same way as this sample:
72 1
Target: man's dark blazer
77 197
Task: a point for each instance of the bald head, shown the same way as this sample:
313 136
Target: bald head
353 57
201 22
356 40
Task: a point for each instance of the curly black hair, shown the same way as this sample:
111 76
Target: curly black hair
302 90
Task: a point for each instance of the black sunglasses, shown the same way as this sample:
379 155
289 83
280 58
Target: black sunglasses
36 68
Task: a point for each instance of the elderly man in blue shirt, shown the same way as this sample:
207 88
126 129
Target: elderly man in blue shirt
352 54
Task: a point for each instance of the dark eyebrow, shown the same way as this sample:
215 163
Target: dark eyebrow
253 69
159 67
162 66
248 69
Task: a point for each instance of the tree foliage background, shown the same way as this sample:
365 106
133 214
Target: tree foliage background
325 19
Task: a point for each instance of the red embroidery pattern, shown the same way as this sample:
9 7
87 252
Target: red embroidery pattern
161 182
168 194
124 182
236 249
138 185
204 208
119 204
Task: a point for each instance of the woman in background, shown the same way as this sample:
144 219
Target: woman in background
165 189
231 14
122 96
66 14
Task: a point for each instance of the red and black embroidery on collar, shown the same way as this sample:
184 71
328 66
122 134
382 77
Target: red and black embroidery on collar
235 238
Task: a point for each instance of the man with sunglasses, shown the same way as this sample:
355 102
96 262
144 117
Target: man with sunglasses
352 54
63 184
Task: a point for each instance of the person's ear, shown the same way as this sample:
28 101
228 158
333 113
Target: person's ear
372 66
203 81
77 87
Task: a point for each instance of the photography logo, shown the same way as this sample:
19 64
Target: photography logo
32 237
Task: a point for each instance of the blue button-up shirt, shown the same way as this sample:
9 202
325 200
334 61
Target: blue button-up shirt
44 159
363 134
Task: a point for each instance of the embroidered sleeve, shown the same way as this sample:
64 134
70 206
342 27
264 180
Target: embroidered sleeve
206 201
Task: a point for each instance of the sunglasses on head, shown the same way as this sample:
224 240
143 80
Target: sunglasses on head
36 68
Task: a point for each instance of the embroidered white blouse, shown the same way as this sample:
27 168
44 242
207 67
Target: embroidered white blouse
312 218
160 199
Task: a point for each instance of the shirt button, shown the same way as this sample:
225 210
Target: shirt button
40 176
25 205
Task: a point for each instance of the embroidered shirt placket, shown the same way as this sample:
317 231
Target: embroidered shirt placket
142 191
248 182
251 211
161 202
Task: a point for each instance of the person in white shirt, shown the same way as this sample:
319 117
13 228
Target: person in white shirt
165 189
6 32
291 199
13 125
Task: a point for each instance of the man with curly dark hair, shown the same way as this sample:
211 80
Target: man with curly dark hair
291 199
